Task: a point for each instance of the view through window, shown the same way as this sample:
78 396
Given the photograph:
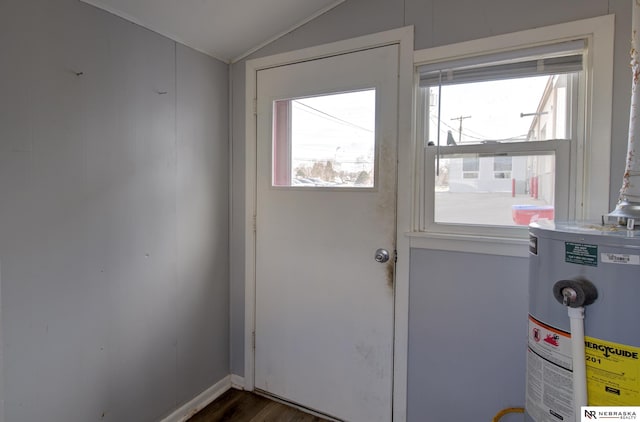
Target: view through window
495 187
325 141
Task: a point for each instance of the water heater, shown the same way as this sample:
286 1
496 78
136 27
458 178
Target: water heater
604 257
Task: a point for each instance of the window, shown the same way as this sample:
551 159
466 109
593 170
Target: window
503 136
325 141
502 167
523 97
470 167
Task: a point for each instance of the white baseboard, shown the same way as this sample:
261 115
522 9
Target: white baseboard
237 382
189 409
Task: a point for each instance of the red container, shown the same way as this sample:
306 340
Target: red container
523 215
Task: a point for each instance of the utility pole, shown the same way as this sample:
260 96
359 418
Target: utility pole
460 119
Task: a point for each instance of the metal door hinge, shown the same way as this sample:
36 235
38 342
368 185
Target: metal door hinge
395 256
253 340
255 106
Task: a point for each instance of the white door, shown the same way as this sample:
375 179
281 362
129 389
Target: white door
326 201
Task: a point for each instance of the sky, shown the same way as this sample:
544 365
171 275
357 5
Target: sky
492 109
337 127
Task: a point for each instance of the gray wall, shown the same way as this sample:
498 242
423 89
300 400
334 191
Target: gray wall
468 330
457 369
114 216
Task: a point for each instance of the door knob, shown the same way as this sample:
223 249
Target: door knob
382 255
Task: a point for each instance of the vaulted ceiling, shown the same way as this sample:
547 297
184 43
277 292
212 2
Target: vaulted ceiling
225 29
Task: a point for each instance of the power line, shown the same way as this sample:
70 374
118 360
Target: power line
480 137
332 117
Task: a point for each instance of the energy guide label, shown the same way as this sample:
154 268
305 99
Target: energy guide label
617 258
613 373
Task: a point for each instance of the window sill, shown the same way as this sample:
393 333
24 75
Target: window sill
504 246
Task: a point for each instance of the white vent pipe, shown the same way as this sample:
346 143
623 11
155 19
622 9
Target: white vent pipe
628 207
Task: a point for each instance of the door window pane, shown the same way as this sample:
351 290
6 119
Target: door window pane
325 141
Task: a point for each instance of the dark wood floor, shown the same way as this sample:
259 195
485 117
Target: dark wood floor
243 406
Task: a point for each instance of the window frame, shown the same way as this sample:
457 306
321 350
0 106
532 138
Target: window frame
563 187
587 196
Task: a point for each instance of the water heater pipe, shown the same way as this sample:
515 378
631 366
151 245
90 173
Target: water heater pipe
576 320
628 206
575 294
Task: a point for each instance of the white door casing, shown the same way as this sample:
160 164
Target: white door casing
348 318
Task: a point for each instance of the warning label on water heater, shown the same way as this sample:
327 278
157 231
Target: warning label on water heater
550 343
613 373
549 377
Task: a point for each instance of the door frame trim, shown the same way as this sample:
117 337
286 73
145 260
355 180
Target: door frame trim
403 37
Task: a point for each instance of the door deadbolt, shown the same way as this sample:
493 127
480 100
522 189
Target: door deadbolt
382 255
